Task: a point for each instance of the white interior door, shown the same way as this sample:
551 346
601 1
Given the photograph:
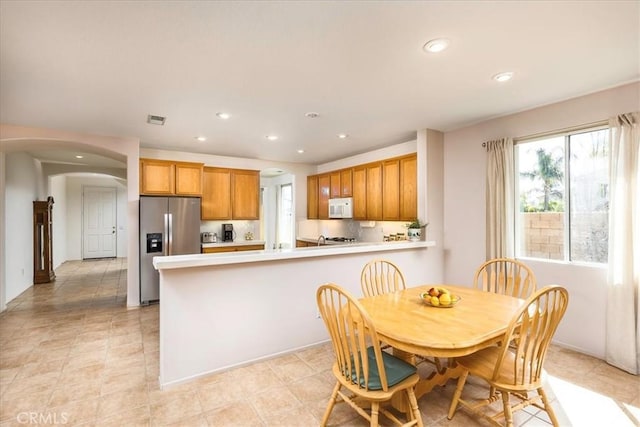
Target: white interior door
99 222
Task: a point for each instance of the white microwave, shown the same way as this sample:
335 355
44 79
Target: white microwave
341 208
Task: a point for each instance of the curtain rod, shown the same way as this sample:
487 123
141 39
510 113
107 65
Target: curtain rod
563 130
557 131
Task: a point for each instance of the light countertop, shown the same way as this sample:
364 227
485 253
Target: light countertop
224 258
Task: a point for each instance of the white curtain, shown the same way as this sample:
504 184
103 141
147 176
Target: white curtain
623 278
499 197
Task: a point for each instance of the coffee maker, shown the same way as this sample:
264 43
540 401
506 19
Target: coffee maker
227 232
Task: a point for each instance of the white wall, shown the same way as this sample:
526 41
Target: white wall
58 190
3 285
464 207
21 189
74 190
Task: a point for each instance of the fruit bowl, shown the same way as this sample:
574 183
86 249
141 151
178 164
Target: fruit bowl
437 300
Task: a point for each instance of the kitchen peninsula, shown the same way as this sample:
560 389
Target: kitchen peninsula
222 310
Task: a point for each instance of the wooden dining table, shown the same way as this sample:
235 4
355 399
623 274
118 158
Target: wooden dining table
412 327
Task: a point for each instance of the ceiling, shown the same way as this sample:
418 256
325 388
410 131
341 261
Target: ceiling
102 67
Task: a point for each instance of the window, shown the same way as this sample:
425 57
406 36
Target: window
563 195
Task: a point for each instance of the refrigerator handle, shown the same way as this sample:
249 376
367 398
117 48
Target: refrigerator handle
165 237
170 235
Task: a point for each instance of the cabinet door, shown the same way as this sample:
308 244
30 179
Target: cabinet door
334 185
324 184
345 183
359 193
216 194
374 191
188 179
391 190
312 197
245 194
157 177
409 188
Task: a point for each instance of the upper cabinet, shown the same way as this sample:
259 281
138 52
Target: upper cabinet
346 183
230 194
245 194
409 188
216 194
324 188
168 178
385 190
312 197
359 192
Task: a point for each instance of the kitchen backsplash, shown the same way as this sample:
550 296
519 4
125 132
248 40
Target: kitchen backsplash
240 227
363 231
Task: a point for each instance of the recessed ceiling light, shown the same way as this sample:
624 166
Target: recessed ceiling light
156 120
312 115
503 77
271 137
300 151
342 135
223 116
436 45
201 138
79 157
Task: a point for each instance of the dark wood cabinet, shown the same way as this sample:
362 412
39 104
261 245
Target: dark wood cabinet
42 241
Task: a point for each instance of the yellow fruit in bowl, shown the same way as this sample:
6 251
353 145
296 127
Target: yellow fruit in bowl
435 301
445 299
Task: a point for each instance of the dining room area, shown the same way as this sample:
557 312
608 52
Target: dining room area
87 358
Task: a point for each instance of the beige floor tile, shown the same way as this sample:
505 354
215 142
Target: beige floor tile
299 416
65 393
122 400
274 401
183 405
236 414
75 412
134 417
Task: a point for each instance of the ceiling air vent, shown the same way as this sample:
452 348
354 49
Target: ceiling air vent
155 120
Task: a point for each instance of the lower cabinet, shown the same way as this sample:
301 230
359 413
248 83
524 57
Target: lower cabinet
233 248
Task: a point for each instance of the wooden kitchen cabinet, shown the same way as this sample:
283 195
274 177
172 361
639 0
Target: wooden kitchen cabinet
239 248
409 188
400 188
245 194
383 190
346 183
230 194
359 193
216 194
374 191
189 179
312 197
391 190
335 189
169 178
157 177
324 188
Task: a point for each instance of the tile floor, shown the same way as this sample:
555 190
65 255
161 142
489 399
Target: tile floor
73 354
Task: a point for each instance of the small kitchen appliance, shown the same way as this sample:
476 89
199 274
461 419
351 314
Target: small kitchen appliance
208 237
227 232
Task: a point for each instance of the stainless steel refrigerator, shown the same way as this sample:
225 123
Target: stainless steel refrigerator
168 226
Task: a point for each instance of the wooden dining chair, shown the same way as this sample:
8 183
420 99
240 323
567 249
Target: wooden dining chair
381 277
516 371
506 276
369 375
